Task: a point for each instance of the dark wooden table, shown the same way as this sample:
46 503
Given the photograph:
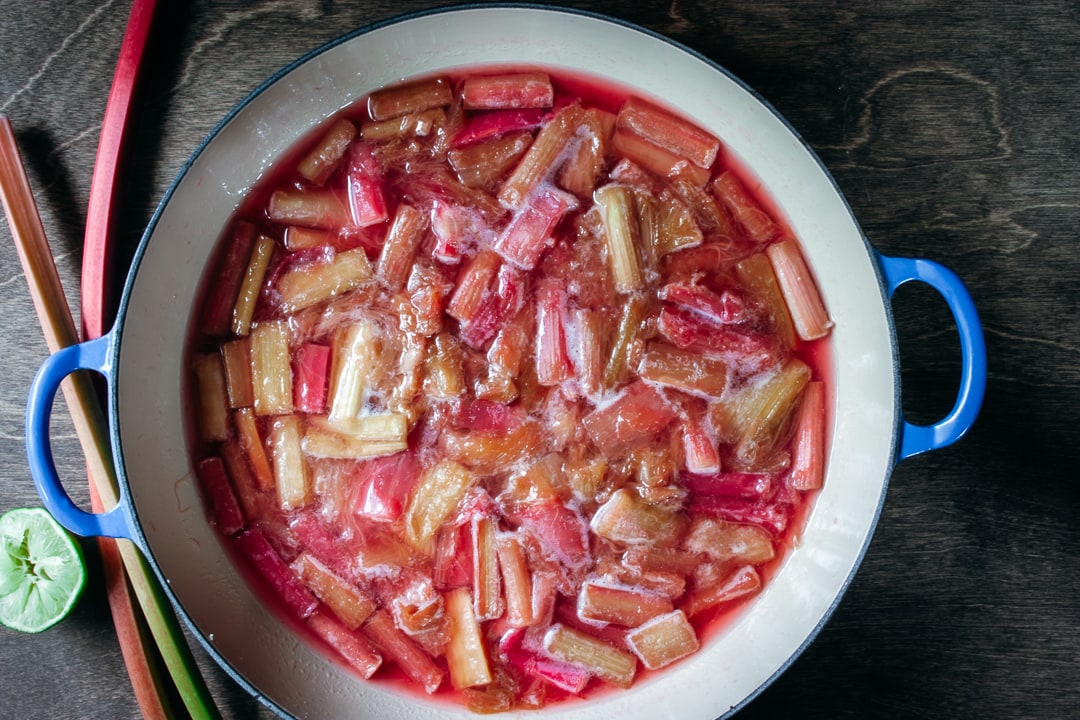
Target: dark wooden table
951 128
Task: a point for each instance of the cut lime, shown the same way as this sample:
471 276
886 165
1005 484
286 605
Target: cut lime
42 572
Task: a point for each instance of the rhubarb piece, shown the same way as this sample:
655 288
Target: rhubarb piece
808 447
452 566
487 581
663 640
729 542
597 656
513 91
236 357
271 372
699 449
552 360
633 314
245 486
407 98
443 374
756 274
622 235
656 159
309 285
631 420
517 580
319 164
668 131
800 291
356 650
773 517
224 284
311 367
496 123
219 491
436 495
418 124
353 358
587 350
502 300
250 440
351 606
364 187
628 519
251 286
725 308
472 282
746 351
622 605
367 436
741 582
508 350
400 247
298 238
466 655
583 170
529 232
562 532
676 228
313 208
748 486
687 371
755 222
290 470
484 452
213 418
483 164
543 156
382 485
262 555
398 647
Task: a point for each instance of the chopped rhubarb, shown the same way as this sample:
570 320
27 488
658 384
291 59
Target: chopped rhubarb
584 168
236 356
382 486
543 156
486 125
248 433
407 98
252 283
364 186
749 486
514 91
656 159
290 470
311 366
725 308
772 517
808 448
699 448
466 655
213 397
402 240
626 518
418 124
483 164
310 284
356 650
561 531
271 372
633 419
472 282
320 163
755 222
622 605
800 291
517 580
314 208
351 606
687 371
663 640
215 483
741 582
403 651
594 655
563 675
436 495
262 555
729 541
530 229
485 416
224 284
487 578
452 566
622 233
670 132
552 359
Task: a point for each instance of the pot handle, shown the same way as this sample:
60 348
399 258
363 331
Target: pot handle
92 355
915 439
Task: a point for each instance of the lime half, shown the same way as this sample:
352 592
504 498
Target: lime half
42 572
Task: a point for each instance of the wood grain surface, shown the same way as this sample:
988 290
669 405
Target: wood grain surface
952 130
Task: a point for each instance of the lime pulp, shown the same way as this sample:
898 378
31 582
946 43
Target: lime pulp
42 571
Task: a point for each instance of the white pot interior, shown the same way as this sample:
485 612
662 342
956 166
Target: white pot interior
255 644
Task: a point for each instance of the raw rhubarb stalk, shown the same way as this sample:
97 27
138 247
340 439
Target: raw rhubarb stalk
351 606
213 397
755 222
582 171
622 605
601 658
740 583
407 98
552 360
543 157
466 654
656 159
622 235
729 542
251 286
756 275
483 164
800 291
633 419
236 357
663 640
670 132
353 358
319 164
257 548
436 495
224 284
516 579
808 446
225 508
418 124
487 580
398 251
290 470
311 366
356 650
398 647
271 372
247 432
514 91
314 208
529 232
309 285
367 436
690 372
626 518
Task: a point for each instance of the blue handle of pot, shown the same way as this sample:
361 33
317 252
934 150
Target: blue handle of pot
93 355
915 439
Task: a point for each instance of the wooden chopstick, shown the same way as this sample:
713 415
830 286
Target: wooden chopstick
58 326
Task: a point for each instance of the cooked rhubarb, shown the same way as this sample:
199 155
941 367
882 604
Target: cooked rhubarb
509 379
